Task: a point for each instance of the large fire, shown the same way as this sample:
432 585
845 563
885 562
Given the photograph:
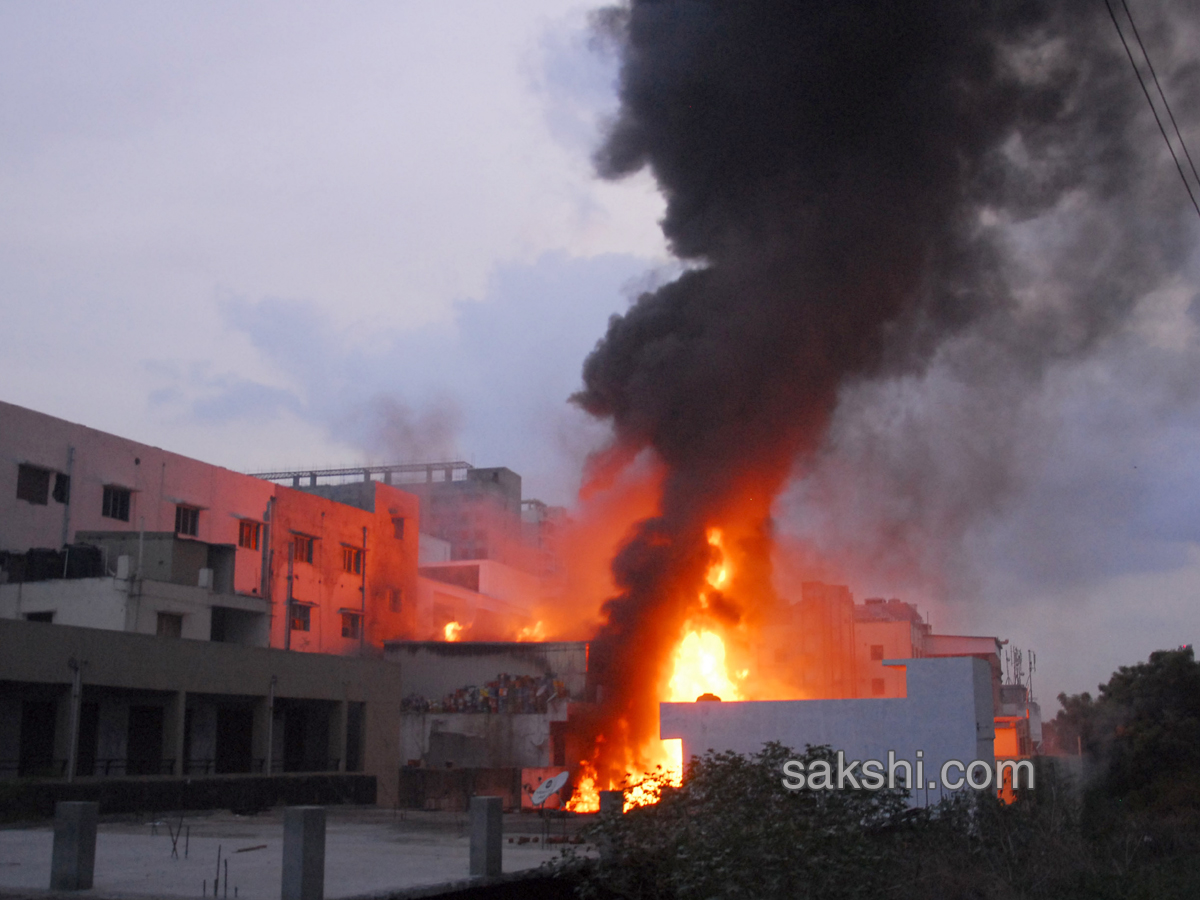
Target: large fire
535 632
699 669
452 631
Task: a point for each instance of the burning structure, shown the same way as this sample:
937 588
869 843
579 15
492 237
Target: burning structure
850 188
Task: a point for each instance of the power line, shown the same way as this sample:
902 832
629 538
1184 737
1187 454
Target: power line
1158 86
1157 118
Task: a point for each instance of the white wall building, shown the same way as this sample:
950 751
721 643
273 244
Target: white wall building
947 714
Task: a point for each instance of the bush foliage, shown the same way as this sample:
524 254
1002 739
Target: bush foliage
732 831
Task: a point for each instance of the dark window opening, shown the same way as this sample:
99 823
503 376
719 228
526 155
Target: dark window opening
351 625
302 548
234 740
36 744
877 651
33 484
39 617
398 528
116 503
354 736
249 534
352 560
877 687
187 520
62 488
301 619
145 741
170 625
89 738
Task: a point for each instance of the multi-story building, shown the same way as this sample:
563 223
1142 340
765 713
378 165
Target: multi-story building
164 544
887 630
486 556
139 548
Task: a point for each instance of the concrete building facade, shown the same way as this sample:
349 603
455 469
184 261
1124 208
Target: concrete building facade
182 548
141 705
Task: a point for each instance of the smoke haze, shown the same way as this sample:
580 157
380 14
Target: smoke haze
902 220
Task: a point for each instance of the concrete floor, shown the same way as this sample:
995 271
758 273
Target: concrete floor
366 850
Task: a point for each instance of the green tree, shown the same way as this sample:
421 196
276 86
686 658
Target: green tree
1144 732
732 830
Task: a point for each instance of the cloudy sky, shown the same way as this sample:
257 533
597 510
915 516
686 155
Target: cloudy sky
241 231
274 235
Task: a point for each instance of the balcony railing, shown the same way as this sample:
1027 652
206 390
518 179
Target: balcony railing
121 766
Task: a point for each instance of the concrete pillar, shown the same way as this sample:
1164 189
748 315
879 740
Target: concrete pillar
487 829
303 853
612 803
73 860
338 717
260 734
175 730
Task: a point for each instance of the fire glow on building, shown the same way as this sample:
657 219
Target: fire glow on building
841 189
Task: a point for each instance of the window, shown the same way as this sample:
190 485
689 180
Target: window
187 520
351 625
170 625
395 599
352 559
249 534
33 484
301 618
877 651
877 687
302 549
398 527
116 503
62 488
39 617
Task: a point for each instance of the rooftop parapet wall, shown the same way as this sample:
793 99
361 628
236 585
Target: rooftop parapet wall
435 668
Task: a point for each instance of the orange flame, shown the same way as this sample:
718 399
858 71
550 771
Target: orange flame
451 631
535 632
586 798
699 667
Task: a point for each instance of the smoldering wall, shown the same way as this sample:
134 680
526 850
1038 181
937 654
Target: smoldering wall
861 190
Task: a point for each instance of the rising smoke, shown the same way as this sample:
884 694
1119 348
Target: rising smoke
861 190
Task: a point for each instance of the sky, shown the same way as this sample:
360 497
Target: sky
283 235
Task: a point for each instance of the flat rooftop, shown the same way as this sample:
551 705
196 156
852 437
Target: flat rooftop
367 850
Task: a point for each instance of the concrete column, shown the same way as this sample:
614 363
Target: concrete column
612 803
303 853
338 717
73 860
261 733
175 730
487 829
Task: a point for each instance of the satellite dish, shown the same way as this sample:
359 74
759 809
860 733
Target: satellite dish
550 786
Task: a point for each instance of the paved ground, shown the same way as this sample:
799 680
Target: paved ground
366 850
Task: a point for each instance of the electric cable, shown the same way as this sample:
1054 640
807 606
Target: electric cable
1157 118
1158 87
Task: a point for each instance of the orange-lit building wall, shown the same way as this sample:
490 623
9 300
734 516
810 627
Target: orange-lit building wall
328 586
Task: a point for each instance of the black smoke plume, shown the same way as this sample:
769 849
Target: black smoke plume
844 179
